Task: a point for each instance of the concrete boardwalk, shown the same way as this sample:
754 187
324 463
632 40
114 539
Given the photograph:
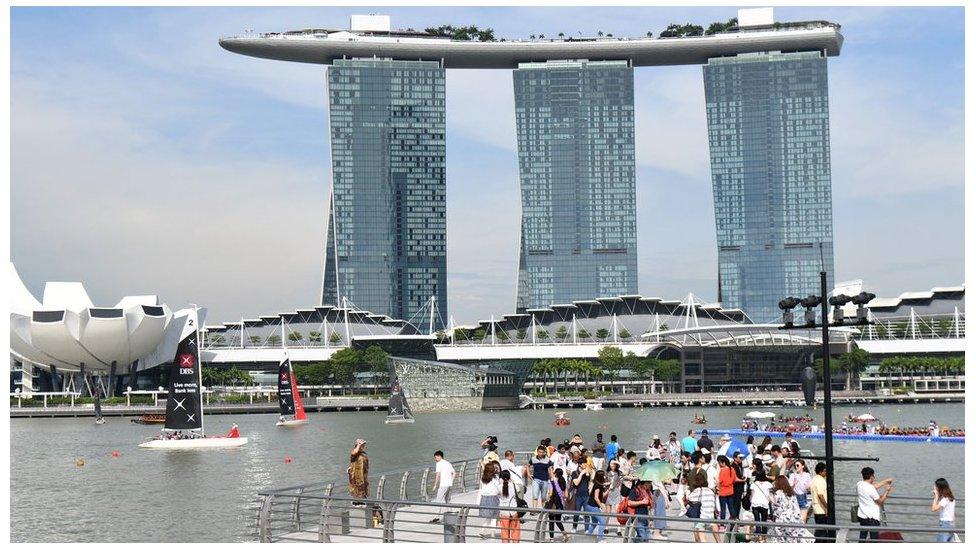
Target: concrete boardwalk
412 525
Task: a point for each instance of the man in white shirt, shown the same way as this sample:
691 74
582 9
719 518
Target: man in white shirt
443 480
508 464
560 459
869 502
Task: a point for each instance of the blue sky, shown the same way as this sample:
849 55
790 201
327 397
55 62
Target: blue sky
146 159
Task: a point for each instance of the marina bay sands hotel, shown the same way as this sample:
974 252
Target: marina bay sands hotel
769 144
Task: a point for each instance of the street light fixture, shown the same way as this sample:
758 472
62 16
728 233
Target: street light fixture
838 302
810 316
787 305
861 300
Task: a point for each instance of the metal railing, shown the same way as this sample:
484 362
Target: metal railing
414 484
340 518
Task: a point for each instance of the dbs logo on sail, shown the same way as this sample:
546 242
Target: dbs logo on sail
186 363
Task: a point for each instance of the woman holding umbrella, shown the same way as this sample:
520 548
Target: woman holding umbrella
658 472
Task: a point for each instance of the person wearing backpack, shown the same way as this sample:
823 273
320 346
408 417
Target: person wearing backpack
556 503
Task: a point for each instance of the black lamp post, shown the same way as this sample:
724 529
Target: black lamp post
809 321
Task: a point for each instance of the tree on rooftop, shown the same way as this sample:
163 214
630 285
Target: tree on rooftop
335 339
562 332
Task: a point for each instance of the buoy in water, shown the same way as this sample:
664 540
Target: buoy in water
79 462
287 459
115 453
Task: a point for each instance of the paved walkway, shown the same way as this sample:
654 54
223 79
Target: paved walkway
412 525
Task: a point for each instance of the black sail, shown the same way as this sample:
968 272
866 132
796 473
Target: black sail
286 400
183 406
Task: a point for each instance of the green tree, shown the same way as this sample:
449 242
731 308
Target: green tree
853 364
583 334
294 337
315 337
343 363
274 340
501 335
520 335
211 376
610 359
667 370
542 334
478 335
623 334
602 334
335 338
562 333
378 361
314 373
255 340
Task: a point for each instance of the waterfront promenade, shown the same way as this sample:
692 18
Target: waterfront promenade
354 404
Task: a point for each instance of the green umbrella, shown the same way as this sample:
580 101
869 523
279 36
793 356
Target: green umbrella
657 471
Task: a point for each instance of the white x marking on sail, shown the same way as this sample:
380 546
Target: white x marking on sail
189 417
179 404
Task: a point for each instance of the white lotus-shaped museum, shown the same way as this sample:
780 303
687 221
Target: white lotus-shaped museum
67 331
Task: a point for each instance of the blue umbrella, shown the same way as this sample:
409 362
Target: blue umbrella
735 445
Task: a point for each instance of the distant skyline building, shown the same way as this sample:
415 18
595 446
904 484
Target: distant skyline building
769 144
575 122
387 233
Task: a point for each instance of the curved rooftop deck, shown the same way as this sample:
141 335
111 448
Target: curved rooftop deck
323 47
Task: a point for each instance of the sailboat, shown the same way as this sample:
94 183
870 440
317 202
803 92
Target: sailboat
289 400
399 411
99 420
184 402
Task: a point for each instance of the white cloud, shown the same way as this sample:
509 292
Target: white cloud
100 199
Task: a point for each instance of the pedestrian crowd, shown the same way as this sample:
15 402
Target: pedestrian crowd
766 483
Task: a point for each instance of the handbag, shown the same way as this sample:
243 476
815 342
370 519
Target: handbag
854 517
622 509
520 503
694 510
747 496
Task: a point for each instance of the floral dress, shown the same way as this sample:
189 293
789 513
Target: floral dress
786 510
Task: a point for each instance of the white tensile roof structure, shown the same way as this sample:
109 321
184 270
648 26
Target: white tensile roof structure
67 331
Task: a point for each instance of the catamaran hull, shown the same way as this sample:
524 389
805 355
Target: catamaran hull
291 423
194 443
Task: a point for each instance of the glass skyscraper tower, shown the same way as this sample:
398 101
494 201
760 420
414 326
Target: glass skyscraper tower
387 225
575 123
769 142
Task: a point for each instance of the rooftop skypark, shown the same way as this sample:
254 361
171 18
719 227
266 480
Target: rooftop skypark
475 47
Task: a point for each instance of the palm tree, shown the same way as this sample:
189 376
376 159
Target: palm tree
562 34
599 33
650 34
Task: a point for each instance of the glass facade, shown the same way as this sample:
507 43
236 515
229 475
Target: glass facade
769 143
389 189
575 123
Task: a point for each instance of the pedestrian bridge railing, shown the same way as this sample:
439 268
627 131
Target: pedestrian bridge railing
400 508
344 519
